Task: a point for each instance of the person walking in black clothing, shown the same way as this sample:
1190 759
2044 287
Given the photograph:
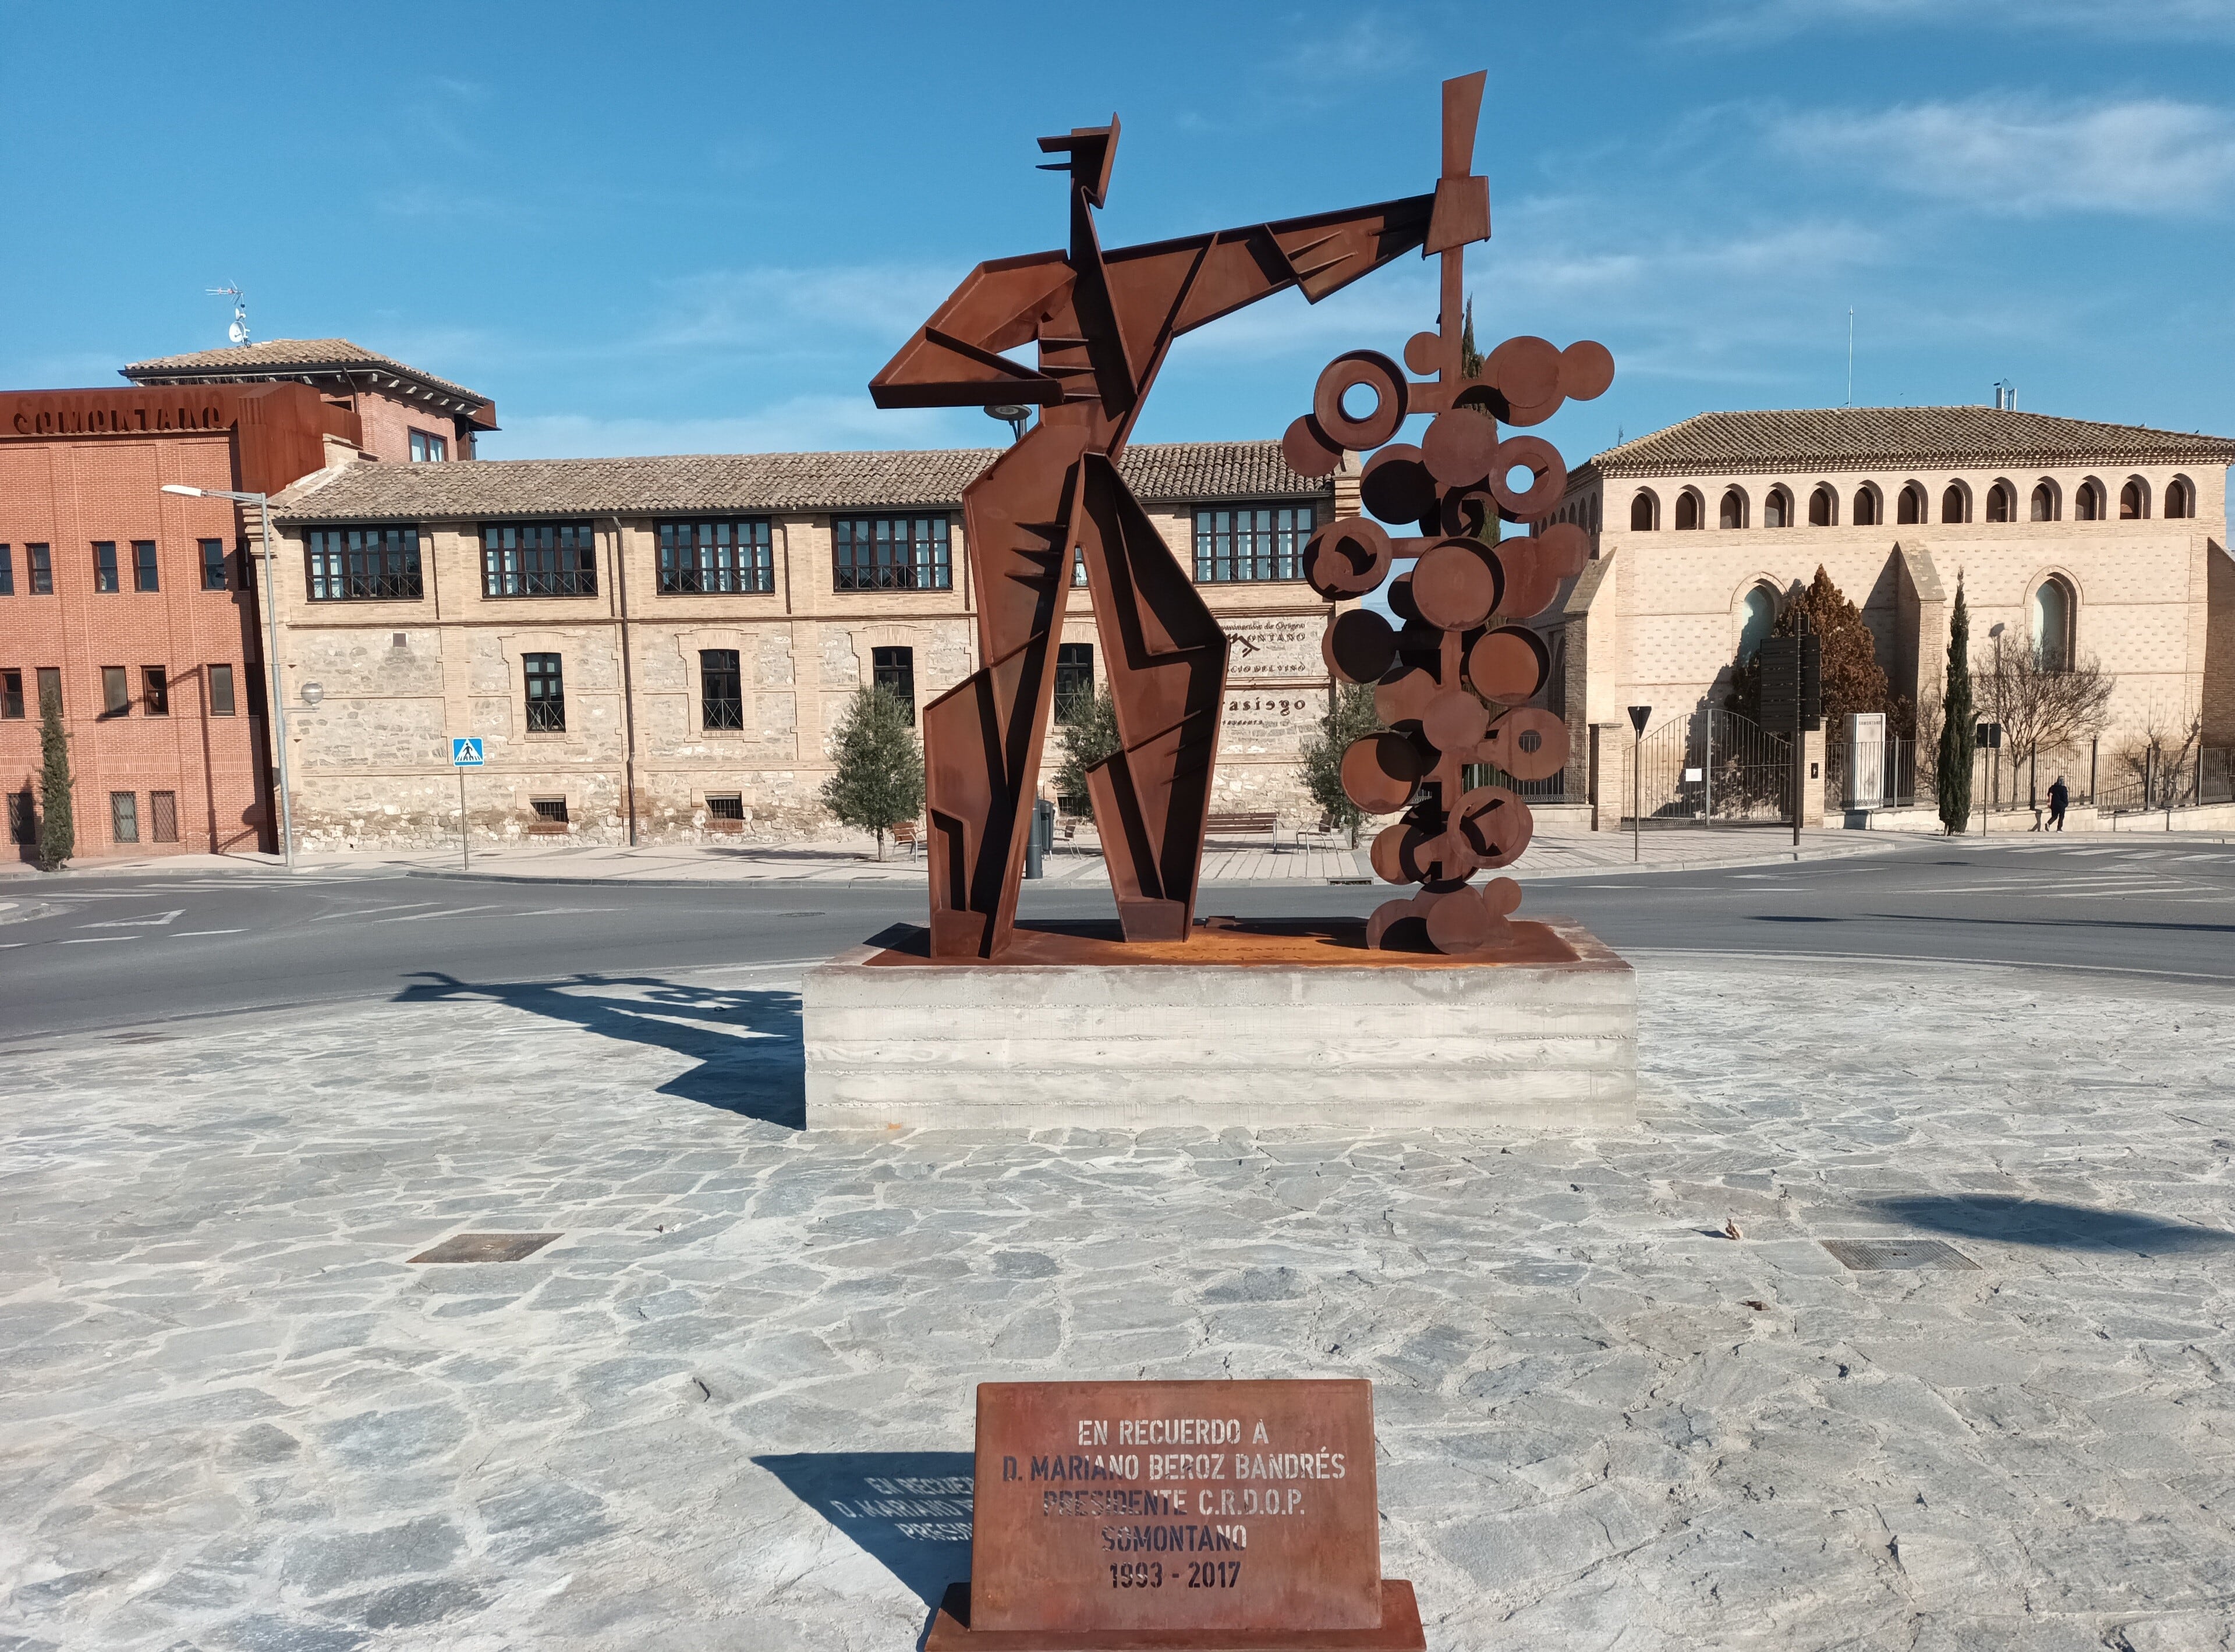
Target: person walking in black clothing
2059 794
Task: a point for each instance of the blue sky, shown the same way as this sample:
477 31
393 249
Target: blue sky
669 228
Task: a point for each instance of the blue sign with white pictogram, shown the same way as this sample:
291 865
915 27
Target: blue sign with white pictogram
466 750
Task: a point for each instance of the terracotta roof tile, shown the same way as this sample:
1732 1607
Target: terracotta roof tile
1849 438
279 355
753 482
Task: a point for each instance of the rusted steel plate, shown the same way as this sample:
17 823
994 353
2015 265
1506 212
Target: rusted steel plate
486 1247
1175 1506
1400 1630
1243 943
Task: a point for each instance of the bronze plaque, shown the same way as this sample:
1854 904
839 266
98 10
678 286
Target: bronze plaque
1175 1506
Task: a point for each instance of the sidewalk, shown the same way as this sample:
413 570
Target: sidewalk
849 858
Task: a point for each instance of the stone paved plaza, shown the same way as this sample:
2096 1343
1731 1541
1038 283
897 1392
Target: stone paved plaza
730 1407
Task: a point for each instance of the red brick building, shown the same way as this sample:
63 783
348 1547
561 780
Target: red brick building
138 610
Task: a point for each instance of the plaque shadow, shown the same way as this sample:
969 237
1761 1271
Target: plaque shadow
908 1510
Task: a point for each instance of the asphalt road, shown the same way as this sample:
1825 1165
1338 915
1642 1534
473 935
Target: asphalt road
90 953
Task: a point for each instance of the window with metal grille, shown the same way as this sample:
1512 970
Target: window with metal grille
22 817
363 564
721 690
220 691
1252 542
547 694
539 559
163 817
104 565
894 670
43 570
123 817
1074 679
7 572
11 694
156 690
427 448
725 805
550 811
144 576
50 689
892 553
216 571
706 559
115 691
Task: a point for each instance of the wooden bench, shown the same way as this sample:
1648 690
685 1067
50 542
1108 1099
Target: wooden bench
904 832
1244 825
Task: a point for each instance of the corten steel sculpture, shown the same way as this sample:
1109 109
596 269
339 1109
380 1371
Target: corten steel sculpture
1453 683
1103 322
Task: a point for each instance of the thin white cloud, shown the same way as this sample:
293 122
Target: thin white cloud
1742 22
2151 157
801 424
794 308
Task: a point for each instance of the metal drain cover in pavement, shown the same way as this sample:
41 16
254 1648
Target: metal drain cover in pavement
1875 1256
487 1247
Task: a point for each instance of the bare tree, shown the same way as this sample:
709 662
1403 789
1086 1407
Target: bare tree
2159 757
2044 709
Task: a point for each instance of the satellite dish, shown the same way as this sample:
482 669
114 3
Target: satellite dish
236 332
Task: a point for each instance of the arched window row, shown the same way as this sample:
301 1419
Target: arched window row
1913 505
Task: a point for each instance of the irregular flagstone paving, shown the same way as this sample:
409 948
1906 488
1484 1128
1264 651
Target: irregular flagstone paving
732 1405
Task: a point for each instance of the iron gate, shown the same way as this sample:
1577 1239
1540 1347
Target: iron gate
1713 767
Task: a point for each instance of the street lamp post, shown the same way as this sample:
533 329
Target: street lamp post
1638 714
263 503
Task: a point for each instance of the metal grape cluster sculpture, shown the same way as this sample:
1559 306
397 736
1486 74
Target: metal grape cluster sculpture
1103 321
1452 682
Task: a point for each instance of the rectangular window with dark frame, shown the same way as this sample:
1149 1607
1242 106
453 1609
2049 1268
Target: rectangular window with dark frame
726 805
104 565
427 448
1074 680
156 690
892 553
895 669
706 559
115 691
547 694
363 564
22 817
163 817
549 811
220 691
12 695
721 690
50 689
144 574
43 570
539 559
216 573
1244 542
123 817
7 572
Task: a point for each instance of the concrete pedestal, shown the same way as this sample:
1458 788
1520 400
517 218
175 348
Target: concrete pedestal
1256 1024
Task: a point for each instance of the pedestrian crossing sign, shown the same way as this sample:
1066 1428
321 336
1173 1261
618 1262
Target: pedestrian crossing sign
466 750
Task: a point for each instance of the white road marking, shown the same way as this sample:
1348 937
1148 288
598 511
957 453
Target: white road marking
453 912
155 922
90 941
185 934
366 912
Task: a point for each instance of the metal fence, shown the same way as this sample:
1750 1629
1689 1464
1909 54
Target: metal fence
2174 782
1551 790
1711 768
1882 774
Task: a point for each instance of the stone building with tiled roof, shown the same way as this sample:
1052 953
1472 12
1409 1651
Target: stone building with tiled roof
2082 539
661 647
406 415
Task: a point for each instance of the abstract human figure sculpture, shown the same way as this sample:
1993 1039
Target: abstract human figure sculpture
1452 683
1103 321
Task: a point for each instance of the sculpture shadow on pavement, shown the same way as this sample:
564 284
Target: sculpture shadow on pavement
746 1040
2006 1219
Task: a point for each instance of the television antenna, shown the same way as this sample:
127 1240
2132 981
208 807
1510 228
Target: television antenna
239 330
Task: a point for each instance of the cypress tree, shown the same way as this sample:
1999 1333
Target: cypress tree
1352 716
57 825
878 782
1958 735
